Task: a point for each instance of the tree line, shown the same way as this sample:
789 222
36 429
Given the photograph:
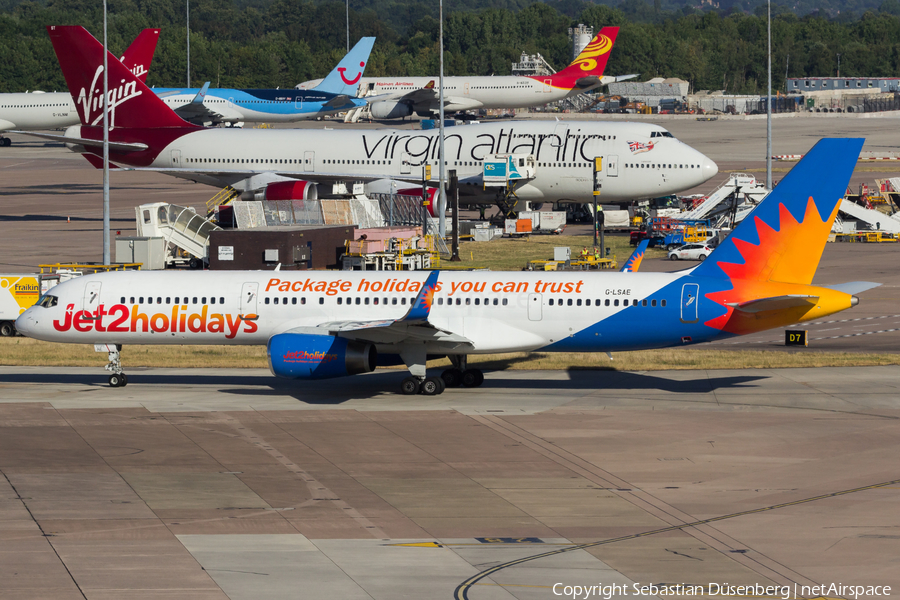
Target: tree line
280 43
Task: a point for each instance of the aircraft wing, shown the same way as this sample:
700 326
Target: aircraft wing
338 102
199 113
775 303
114 146
413 326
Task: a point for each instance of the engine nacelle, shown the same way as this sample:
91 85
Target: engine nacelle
310 356
431 198
390 110
291 190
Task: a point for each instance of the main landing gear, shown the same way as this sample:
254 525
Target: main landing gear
458 375
118 377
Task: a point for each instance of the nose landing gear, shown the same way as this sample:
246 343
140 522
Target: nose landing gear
118 377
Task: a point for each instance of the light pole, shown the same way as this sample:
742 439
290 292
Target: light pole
348 25
442 197
188 27
106 253
769 103
839 66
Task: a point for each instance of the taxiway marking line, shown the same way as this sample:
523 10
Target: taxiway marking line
461 592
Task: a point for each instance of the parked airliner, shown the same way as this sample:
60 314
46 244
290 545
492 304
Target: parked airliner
334 94
640 160
320 324
397 97
55 110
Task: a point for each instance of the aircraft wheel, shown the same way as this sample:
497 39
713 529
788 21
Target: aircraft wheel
452 377
472 377
7 329
116 380
432 386
124 379
409 386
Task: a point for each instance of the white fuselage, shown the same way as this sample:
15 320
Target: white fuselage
465 93
640 160
496 312
37 110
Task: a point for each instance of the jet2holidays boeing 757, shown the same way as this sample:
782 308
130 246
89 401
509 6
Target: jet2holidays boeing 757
332 324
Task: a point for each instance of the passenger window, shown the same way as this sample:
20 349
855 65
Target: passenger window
505 302
176 300
141 300
204 300
358 301
569 302
578 302
123 300
366 300
212 300
643 303
403 301
653 303
468 301
550 302
303 300
393 301
625 302
321 300
276 300
340 301
477 301
195 299
267 300
168 300
375 301
440 301
607 302
458 301
495 302
662 303
615 302
150 300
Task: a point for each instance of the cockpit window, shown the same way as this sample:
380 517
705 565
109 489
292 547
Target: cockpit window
47 301
663 133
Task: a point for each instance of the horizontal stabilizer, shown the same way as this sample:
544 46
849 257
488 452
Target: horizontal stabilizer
852 287
775 303
113 146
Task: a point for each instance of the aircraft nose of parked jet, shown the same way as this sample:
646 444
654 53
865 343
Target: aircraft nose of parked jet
708 168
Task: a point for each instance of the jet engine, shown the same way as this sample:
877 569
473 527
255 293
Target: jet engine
390 110
311 356
291 190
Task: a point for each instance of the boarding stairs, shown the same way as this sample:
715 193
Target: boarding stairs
180 226
739 194
873 219
224 197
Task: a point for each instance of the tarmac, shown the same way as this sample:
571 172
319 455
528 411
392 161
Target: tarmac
212 483
207 483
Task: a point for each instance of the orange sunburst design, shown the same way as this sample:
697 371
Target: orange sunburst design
587 59
428 298
783 262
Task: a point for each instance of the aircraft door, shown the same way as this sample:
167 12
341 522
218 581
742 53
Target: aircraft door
465 89
176 158
309 161
249 297
689 301
612 166
548 86
405 165
535 303
298 102
91 297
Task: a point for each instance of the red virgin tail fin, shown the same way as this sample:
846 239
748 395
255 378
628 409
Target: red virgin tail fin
139 55
592 60
131 103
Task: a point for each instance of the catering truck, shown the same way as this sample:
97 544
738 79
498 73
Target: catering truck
20 291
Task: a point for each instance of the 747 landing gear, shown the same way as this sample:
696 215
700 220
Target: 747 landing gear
118 377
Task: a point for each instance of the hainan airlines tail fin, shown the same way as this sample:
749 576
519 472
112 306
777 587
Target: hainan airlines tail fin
592 60
344 78
783 238
131 103
139 55
634 262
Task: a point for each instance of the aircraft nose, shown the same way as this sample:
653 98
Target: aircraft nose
25 323
708 168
